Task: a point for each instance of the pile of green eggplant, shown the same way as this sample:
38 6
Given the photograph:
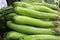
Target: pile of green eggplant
32 21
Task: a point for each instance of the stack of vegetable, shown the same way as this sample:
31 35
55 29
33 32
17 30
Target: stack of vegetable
37 21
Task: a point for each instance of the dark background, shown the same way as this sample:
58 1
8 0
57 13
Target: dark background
11 1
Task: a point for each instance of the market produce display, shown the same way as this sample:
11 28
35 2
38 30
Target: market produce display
35 14
11 35
40 37
35 7
46 4
32 21
29 29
